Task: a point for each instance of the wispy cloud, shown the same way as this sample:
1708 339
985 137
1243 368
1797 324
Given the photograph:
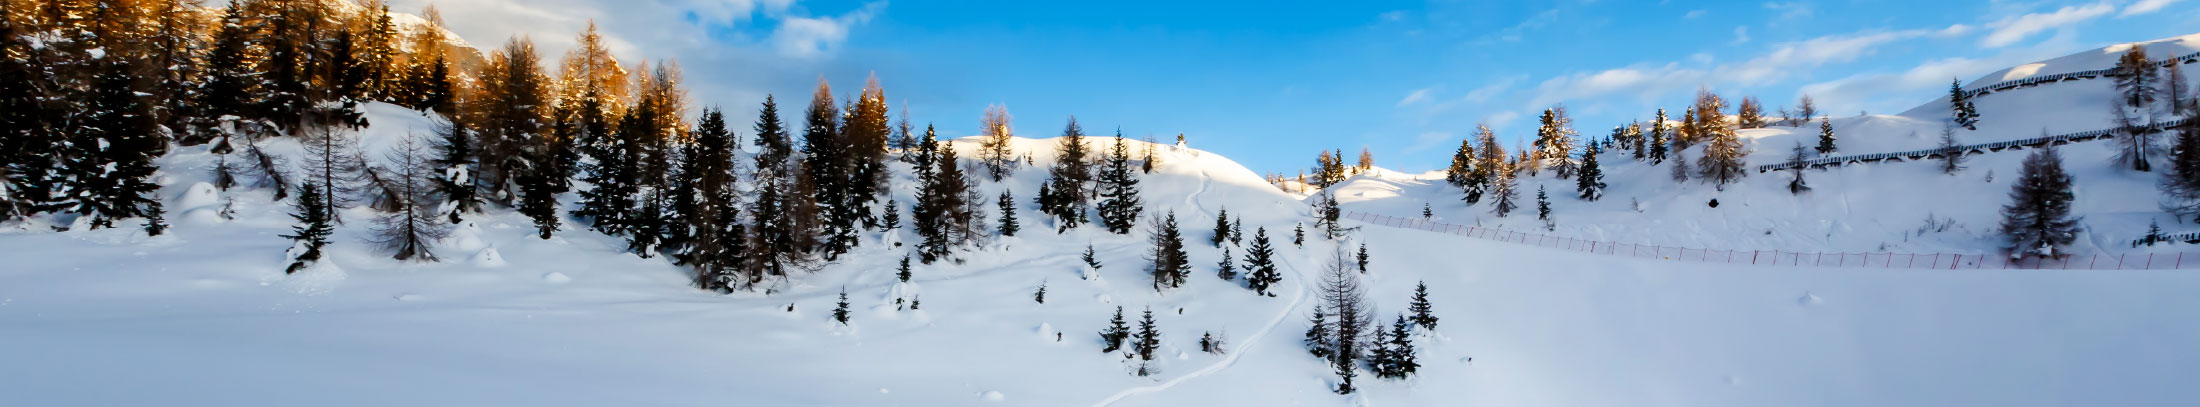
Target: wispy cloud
1417 96
1693 14
812 37
1741 36
2144 6
2010 30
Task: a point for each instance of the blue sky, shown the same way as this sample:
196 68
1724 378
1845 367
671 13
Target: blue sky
1271 83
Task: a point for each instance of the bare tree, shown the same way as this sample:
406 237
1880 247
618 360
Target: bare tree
993 148
1806 109
409 231
334 163
2135 146
1951 157
1343 296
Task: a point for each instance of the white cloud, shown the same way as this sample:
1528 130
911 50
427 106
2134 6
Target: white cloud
1417 96
1741 36
2144 6
2012 29
1790 10
807 37
1901 90
1784 60
1692 14
1537 21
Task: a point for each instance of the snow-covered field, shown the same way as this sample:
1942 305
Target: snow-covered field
205 316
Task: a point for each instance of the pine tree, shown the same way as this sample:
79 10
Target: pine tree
773 145
1658 139
1460 173
1554 143
825 170
1113 336
1825 137
706 205
892 219
1426 212
1063 196
1401 363
1327 215
1749 114
1148 338
456 162
1260 264
1590 183
2180 184
409 232
111 159
1680 166
313 228
1317 339
1090 258
903 272
2154 233
1722 159
1542 205
1966 113
1237 231
1298 234
2037 219
1487 166
840 312
539 201
1119 201
1380 360
1423 313
940 204
1503 189
1361 257
1008 214
1170 263
867 129
1222 228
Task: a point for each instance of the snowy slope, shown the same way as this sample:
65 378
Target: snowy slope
204 315
1869 208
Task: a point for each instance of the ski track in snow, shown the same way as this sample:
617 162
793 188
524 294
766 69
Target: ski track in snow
1231 360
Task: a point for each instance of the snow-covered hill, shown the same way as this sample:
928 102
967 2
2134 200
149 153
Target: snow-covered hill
1879 207
204 315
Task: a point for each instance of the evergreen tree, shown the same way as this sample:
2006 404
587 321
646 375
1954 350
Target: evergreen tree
1041 295
840 312
867 129
1426 212
110 164
773 145
1722 159
1119 202
1502 187
1400 362
456 181
2180 184
1658 139
1298 234
1327 215
1554 143
1063 196
1590 184
1148 339
892 219
1966 113
707 207
825 172
1423 313
2037 219
1260 264
1318 340
1542 205
1008 214
1361 258
940 204
1825 137
903 273
1222 228
1237 231
1113 336
1171 265
313 229
1460 173
1749 114
539 201
610 205
1227 270
1090 259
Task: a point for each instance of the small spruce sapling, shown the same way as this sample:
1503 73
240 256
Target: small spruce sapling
840 313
